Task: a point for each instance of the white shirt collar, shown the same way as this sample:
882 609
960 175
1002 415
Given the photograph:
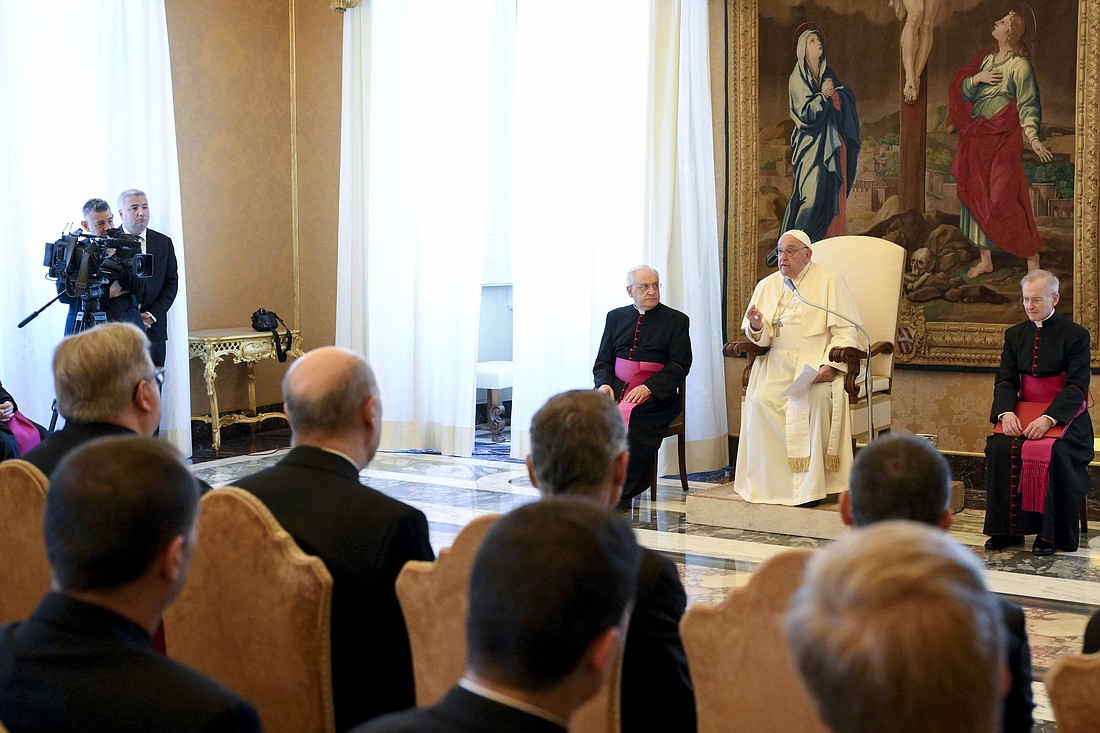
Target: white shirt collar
498 697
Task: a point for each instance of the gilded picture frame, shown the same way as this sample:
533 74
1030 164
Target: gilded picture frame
942 344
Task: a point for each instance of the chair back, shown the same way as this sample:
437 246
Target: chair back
24 569
1072 683
255 614
435 600
873 268
744 674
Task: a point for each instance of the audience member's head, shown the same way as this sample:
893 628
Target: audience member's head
550 591
105 374
578 446
898 476
120 522
893 629
97 217
332 401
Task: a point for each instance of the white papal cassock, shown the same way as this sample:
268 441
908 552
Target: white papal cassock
799 448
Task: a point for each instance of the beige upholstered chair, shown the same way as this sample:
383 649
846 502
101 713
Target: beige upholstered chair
24 570
744 675
1073 682
873 269
435 598
254 614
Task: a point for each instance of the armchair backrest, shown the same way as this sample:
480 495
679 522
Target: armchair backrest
873 269
255 614
744 674
24 569
1072 682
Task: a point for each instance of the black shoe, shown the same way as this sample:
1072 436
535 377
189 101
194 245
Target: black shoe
1041 547
1002 541
809 504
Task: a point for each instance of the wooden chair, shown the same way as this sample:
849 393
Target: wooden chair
435 599
676 427
873 269
24 569
744 674
254 614
1072 684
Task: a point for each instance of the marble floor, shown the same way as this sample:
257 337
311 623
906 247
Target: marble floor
1058 593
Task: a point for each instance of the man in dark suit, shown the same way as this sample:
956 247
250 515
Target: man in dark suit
156 293
106 385
579 448
643 360
363 536
903 477
120 534
550 594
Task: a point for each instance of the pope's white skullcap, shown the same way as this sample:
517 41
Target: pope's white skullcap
798 234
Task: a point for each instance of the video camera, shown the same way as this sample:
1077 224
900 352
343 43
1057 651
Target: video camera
85 264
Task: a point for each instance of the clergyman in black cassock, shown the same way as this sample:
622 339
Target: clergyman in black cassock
646 331
1041 347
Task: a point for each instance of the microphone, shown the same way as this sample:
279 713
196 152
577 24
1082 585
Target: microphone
866 336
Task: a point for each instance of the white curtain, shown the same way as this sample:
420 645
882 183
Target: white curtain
682 228
578 218
85 111
413 180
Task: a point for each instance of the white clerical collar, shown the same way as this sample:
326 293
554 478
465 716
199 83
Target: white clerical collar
498 697
1039 324
345 456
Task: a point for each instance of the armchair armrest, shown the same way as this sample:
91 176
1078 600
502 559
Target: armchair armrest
851 358
746 349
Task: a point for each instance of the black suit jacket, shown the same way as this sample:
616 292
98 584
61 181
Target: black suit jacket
1018 702
654 662
364 539
74 666
157 292
47 454
462 711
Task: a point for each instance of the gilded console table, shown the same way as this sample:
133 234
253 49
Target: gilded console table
245 345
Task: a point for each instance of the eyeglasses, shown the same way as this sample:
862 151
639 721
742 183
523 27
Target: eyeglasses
646 287
157 376
779 251
1036 301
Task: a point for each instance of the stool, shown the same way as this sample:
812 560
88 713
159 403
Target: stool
493 376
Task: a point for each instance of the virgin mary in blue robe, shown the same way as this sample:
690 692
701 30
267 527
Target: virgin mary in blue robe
824 145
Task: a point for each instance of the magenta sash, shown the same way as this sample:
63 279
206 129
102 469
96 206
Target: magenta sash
633 374
25 432
1035 454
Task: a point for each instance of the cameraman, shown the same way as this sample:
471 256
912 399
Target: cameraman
121 305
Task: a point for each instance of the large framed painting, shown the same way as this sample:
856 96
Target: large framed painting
969 135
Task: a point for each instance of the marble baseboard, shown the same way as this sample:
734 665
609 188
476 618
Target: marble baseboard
722 507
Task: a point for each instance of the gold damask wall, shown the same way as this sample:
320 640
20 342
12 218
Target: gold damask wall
257 97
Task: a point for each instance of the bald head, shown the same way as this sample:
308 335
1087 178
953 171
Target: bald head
326 391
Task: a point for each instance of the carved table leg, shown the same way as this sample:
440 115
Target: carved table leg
495 407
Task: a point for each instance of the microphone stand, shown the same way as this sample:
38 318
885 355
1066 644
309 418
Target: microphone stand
866 336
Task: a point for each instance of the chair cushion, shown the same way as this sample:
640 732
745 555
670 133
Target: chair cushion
494 374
